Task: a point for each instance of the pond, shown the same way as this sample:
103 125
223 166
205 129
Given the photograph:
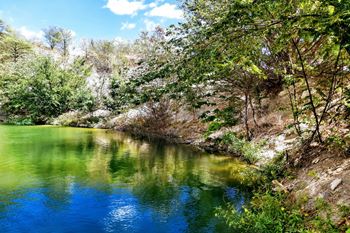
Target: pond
63 180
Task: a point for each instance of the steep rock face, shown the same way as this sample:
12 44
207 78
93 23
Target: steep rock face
170 121
99 84
166 120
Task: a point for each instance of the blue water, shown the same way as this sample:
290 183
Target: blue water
68 180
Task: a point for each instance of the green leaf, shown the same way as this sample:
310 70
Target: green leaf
331 10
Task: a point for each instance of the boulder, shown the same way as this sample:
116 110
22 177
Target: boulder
335 183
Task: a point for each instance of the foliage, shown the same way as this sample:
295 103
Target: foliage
19 121
38 88
12 49
336 142
276 168
261 178
236 52
267 215
248 150
212 127
219 118
59 38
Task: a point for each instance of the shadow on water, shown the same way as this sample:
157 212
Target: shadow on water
84 180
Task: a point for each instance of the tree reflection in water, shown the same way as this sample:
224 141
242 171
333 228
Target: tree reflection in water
95 181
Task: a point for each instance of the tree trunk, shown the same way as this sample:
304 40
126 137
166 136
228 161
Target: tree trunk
313 108
246 104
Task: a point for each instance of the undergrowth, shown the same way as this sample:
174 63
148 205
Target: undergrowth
19 121
248 150
274 211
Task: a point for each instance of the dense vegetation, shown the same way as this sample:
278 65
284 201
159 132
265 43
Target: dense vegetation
34 87
243 51
226 58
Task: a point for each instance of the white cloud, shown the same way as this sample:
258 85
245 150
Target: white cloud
37 36
155 3
126 7
128 26
152 5
120 40
167 11
31 35
150 25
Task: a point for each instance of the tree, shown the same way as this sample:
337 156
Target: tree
239 51
302 42
12 48
60 38
66 39
53 36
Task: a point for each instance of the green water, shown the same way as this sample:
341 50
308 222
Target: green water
85 180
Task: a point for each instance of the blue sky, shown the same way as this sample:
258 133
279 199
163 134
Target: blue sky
97 19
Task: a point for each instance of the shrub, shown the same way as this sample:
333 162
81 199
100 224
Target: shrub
219 118
213 126
248 150
19 121
275 169
265 214
273 213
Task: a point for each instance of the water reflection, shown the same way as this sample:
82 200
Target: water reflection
84 180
